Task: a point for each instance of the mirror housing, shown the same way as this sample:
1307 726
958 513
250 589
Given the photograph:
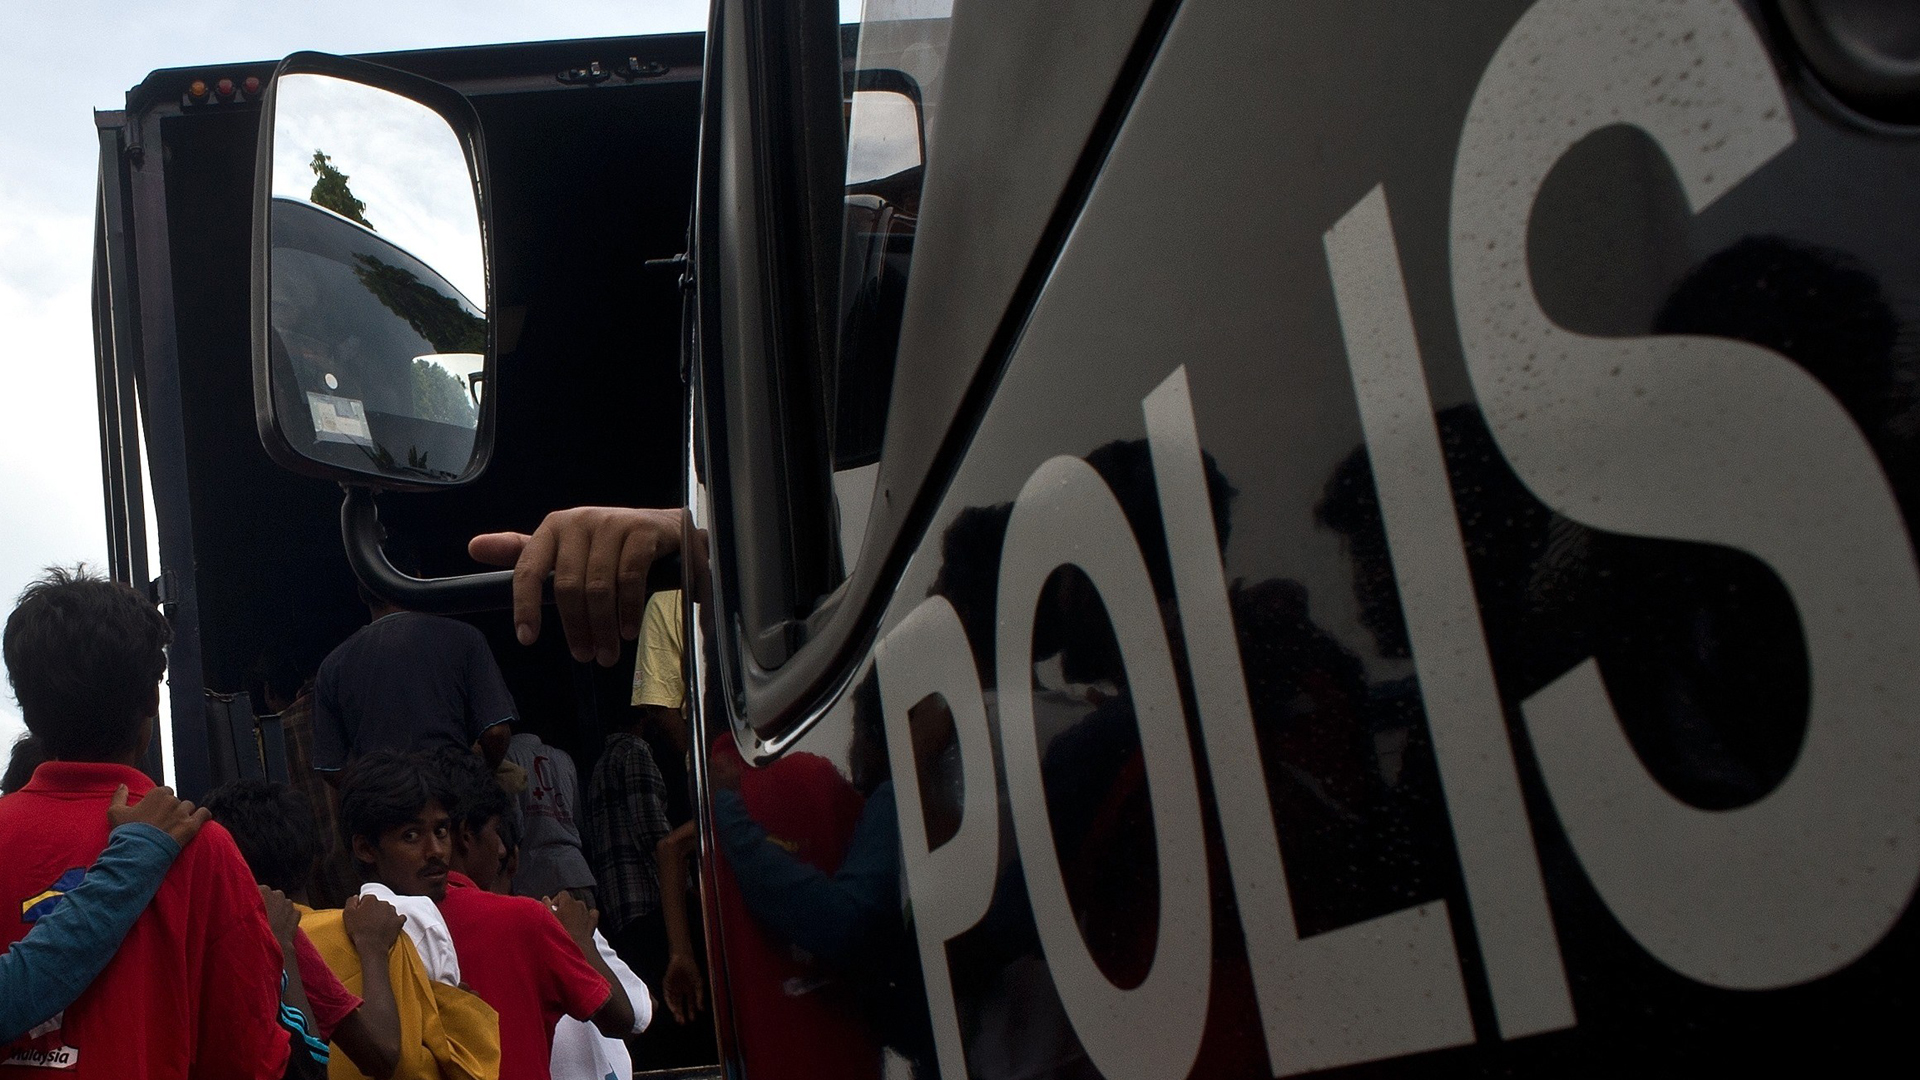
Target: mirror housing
372 278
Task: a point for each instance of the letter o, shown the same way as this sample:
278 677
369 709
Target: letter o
1067 515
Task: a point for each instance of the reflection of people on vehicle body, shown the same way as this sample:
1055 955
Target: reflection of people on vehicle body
851 919
805 1024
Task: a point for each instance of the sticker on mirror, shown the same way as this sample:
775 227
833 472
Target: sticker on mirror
339 419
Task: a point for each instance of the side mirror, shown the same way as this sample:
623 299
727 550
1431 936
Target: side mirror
373 350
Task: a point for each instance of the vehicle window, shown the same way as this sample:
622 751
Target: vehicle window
892 90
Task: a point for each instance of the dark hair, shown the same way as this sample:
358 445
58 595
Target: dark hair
28 754
281 672
385 790
511 832
273 825
1127 467
867 749
85 656
476 795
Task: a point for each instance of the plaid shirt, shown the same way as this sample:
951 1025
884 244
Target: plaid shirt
626 817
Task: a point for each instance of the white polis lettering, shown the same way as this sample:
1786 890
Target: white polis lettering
1377 989
1707 440
1470 745
1066 515
950 886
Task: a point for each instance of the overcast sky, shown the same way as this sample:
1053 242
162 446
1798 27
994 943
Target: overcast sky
63 61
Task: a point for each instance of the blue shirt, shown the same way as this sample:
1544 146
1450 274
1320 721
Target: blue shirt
839 917
45 971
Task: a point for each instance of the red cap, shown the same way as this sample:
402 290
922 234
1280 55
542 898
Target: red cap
224 88
252 85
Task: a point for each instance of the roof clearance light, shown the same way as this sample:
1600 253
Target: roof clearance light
197 89
224 88
251 86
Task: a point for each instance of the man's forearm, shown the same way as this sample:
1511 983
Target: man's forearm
371 1035
493 743
296 1014
45 971
671 854
615 1018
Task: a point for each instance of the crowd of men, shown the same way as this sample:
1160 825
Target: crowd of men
421 902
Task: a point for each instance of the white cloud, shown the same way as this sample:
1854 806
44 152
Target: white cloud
67 59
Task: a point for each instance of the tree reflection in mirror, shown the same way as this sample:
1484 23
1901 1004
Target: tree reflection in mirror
377 280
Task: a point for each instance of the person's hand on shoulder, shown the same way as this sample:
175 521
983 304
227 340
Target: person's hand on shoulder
282 916
372 924
176 817
599 557
576 918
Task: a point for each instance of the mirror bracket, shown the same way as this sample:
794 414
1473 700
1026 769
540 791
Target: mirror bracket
364 538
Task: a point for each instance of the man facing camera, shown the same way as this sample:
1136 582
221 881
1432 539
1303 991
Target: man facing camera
514 951
195 989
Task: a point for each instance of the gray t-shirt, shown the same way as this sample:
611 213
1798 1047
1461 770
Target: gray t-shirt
550 855
406 681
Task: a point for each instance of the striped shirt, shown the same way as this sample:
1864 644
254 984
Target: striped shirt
626 817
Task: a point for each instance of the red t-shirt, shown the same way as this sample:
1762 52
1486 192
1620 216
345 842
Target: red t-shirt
792 1018
194 990
517 957
332 1002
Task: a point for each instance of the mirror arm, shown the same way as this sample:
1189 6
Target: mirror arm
362 536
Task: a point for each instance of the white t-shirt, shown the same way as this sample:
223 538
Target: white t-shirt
580 1052
428 929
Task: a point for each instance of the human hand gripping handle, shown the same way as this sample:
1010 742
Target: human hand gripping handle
599 557
176 817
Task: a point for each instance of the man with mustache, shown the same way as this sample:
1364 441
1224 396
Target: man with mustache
397 830
514 952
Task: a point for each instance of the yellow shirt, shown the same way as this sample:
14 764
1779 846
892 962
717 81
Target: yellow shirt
444 1030
657 678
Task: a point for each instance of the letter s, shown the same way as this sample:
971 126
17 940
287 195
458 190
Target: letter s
1708 440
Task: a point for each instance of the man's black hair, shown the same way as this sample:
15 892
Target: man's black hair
85 656
511 832
273 825
385 790
476 795
28 754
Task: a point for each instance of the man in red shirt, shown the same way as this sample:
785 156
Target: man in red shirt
514 951
195 989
